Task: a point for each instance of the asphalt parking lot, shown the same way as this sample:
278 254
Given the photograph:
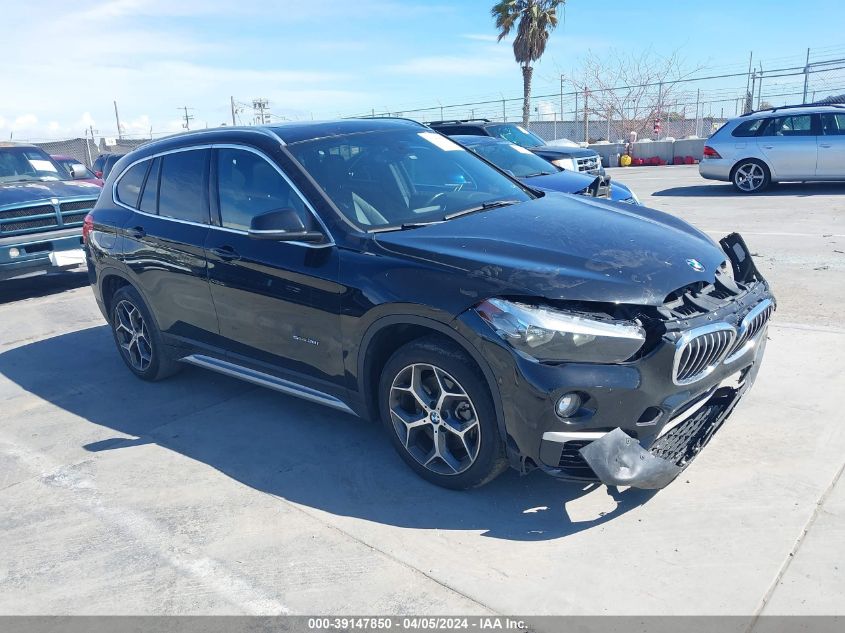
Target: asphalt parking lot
206 495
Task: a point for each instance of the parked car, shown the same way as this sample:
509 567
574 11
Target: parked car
41 210
798 143
76 170
540 173
103 164
565 157
482 322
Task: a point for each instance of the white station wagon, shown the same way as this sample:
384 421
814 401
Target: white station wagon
789 143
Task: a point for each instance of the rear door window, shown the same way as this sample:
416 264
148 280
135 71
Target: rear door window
794 125
183 186
129 186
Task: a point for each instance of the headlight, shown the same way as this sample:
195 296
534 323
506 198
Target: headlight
547 334
565 163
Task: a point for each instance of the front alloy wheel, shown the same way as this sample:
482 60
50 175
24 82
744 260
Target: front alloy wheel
437 408
435 419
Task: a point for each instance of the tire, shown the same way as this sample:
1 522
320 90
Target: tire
437 410
138 338
750 176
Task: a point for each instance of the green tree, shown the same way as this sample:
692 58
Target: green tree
534 21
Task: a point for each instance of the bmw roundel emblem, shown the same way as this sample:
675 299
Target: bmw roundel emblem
696 265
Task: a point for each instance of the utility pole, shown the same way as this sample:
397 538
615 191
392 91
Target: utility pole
504 115
748 78
232 104
561 98
262 115
88 148
806 76
586 115
188 117
697 100
760 88
117 119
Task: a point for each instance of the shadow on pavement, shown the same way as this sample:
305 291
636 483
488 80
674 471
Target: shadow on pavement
290 448
785 189
41 285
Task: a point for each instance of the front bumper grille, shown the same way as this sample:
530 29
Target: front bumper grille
588 163
571 461
37 218
684 441
752 324
699 352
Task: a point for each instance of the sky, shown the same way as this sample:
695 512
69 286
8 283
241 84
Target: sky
65 63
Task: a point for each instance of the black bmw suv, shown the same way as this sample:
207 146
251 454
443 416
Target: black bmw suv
378 268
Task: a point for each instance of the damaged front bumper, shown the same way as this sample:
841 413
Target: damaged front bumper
616 458
640 422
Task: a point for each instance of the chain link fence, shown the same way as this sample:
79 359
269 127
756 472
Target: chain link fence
683 108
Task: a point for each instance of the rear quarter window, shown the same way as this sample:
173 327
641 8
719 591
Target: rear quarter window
130 183
748 128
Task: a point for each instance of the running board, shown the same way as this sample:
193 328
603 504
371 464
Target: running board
266 380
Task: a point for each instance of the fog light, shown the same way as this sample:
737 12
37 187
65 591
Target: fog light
568 404
14 252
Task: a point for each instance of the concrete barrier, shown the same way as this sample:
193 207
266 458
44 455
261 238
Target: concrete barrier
666 150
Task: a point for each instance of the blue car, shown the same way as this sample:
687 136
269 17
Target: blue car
538 173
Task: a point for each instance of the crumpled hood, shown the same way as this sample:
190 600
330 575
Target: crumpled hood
23 192
567 247
567 181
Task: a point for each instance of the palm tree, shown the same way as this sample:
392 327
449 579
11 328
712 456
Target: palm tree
536 20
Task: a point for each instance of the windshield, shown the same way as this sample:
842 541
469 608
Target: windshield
403 177
516 134
517 160
22 164
68 163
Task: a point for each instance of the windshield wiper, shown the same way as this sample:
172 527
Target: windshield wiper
482 207
539 173
402 227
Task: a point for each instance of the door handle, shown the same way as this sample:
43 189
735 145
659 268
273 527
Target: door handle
768 146
824 145
137 232
226 253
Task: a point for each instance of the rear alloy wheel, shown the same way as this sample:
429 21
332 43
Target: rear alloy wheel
138 338
435 405
751 176
132 336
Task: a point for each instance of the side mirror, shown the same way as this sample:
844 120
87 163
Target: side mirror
282 225
78 171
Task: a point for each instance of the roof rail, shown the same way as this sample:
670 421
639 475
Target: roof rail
815 104
393 118
458 121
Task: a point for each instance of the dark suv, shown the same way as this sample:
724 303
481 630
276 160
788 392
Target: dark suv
379 268
571 158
